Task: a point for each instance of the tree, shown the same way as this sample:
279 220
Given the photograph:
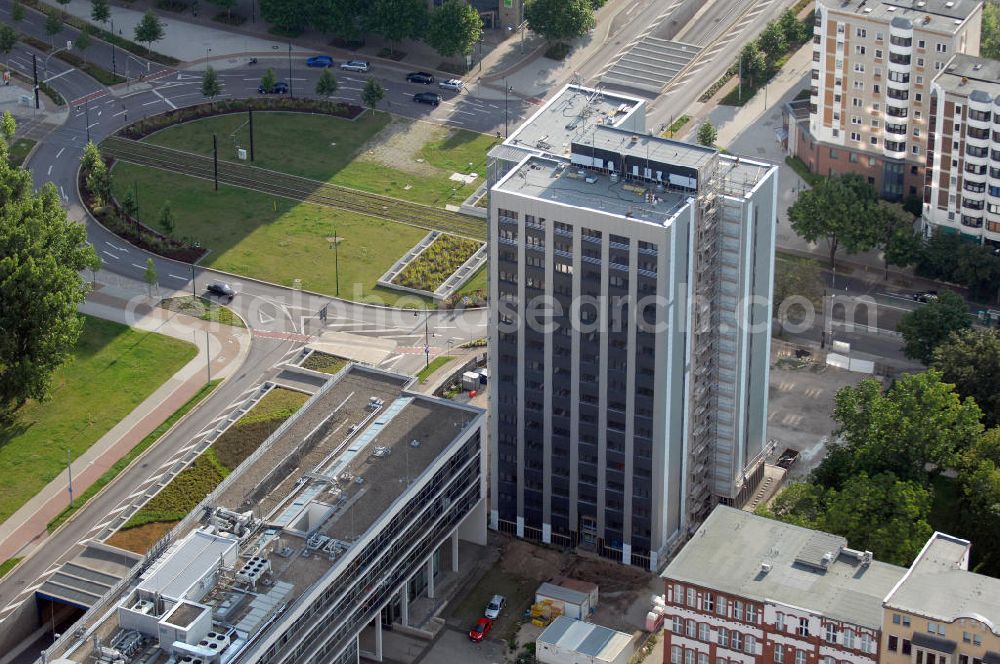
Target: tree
454 28
40 286
979 269
970 359
752 63
8 39
53 25
268 80
327 84
990 46
8 125
791 27
881 514
99 184
91 156
288 16
900 245
397 20
928 326
130 206
150 275
149 29
559 20
915 429
774 42
167 218
100 11
840 209
227 5
707 134
17 11
979 504
82 43
801 503
342 18
210 85
939 257
372 93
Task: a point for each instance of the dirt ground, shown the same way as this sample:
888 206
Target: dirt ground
140 539
398 145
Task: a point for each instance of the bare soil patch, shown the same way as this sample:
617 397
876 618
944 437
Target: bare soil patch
398 145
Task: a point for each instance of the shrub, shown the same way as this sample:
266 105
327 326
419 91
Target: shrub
437 262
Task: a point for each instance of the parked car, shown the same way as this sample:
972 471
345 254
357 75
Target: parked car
280 88
787 458
451 84
356 65
480 629
420 77
320 61
495 606
432 98
221 289
925 296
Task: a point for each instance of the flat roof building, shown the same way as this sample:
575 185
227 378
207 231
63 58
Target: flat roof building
640 401
569 640
319 534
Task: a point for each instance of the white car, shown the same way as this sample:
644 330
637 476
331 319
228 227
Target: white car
356 65
451 84
495 606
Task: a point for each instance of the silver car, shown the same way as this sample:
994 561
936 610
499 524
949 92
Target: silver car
356 65
451 84
495 606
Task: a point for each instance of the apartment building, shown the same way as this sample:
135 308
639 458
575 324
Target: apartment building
751 590
962 192
345 515
940 612
870 104
638 400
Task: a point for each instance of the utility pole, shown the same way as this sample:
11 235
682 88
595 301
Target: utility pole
506 89
194 293
86 110
427 341
114 68
336 259
34 74
290 92
215 159
69 469
250 114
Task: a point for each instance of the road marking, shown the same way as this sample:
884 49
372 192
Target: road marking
52 78
141 267
50 170
165 100
116 248
59 154
63 191
119 113
176 277
109 254
93 124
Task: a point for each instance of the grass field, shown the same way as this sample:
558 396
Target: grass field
434 365
8 565
114 368
202 308
324 362
271 238
325 148
188 488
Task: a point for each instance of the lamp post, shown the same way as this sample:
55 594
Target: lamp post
114 69
290 93
427 338
506 90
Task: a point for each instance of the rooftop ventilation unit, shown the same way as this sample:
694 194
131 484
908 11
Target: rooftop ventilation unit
381 451
414 443
765 568
827 558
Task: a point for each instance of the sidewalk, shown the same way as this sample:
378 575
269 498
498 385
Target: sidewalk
227 348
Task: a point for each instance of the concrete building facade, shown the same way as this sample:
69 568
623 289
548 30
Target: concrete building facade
940 612
640 400
870 103
751 590
962 193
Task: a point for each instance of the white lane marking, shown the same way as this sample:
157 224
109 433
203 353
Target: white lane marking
105 251
119 113
59 154
116 248
50 170
93 124
176 277
52 78
165 100
141 267
63 191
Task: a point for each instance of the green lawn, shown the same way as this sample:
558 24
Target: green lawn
434 365
273 238
324 362
8 565
113 370
325 148
20 149
202 308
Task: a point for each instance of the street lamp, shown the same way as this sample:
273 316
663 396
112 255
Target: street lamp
86 111
45 61
427 341
506 90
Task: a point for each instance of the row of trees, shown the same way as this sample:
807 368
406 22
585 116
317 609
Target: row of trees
760 57
876 486
452 29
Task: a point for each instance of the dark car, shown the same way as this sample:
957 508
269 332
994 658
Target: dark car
432 98
420 77
320 61
787 458
280 88
221 289
925 296
480 629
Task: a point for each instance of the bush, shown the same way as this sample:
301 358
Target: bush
100 74
230 19
437 262
173 6
324 362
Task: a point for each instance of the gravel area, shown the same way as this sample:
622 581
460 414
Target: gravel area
398 145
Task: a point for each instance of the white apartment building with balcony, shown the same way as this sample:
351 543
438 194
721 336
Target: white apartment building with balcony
962 193
874 61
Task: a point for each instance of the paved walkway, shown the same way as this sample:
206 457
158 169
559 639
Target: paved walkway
227 348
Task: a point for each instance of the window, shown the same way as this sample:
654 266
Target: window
750 645
878 36
855 120
692 627
857 102
932 628
921 43
906 646
803 628
941 48
833 153
721 660
737 604
859 50
828 660
920 62
722 637
895 619
831 633
779 654
703 632
866 643
779 622
848 638
720 606
966 637
875 124
874 140
893 643
859 68
708 601
858 84
692 598
677 625
703 658
678 593
977 640
915 149
855 136
735 640
675 655
906 621
800 656
752 614
861 32
688 656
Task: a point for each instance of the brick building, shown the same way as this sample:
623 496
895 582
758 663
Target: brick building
750 590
